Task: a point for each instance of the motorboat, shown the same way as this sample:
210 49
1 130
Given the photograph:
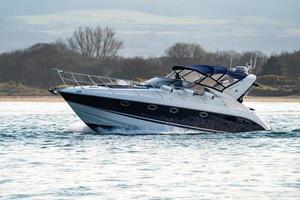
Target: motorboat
198 98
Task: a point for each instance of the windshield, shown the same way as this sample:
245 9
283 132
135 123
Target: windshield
159 81
186 75
196 80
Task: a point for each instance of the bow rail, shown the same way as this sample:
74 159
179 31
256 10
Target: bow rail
79 79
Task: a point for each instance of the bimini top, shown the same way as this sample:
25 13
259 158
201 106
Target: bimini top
207 70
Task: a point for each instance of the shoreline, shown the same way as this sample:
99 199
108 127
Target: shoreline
270 99
60 99
31 99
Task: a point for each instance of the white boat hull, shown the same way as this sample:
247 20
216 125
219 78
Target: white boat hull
110 112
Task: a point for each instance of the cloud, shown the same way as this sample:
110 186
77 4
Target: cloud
259 20
117 16
294 32
137 28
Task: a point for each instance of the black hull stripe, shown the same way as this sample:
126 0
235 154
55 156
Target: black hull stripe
184 117
151 120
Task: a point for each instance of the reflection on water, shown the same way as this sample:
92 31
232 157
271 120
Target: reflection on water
47 153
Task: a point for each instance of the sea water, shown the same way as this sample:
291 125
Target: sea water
46 152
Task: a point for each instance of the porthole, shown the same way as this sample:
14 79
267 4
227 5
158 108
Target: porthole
173 110
203 114
125 103
152 107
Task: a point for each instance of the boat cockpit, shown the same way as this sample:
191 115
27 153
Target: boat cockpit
198 77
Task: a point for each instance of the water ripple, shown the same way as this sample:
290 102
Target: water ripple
47 153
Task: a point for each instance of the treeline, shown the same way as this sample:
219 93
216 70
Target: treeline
31 67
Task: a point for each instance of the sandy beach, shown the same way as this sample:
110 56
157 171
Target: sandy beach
273 99
31 98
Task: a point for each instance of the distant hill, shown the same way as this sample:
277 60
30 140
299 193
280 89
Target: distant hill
31 68
280 75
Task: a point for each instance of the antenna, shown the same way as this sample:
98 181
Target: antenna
231 55
250 63
230 61
255 61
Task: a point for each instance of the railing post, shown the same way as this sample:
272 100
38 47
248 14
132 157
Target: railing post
62 79
110 80
74 79
91 79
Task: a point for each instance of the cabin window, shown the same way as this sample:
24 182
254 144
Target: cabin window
125 103
203 114
230 118
216 76
192 76
174 110
152 107
208 81
227 80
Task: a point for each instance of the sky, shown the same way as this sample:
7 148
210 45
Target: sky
149 27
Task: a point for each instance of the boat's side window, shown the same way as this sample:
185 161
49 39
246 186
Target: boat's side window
152 107
230 118
203 114
174 110
125 103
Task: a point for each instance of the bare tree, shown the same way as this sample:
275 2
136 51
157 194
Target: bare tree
185 50
95 42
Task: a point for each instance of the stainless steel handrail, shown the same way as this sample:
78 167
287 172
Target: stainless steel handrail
72 77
